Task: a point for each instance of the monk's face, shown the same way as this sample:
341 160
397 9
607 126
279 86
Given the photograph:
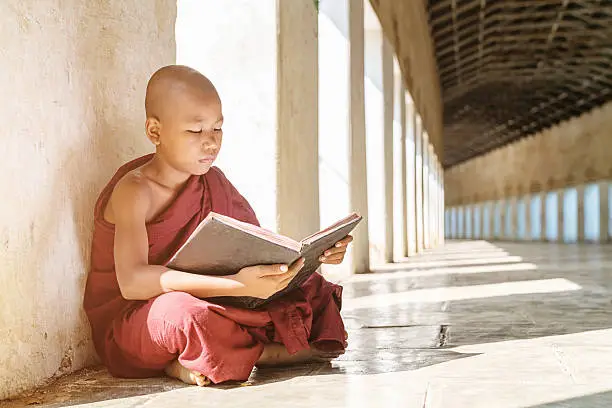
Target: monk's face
190 131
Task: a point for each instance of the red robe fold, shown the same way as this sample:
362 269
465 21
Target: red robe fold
140 338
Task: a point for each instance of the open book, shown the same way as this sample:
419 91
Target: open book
221 245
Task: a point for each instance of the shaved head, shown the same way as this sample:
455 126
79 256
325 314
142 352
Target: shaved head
184 119
171 85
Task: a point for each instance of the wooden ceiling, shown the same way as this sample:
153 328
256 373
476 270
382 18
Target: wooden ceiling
509 68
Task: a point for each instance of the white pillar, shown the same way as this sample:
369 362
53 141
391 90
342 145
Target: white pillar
502 219
543 221
441 203
357 145
511 233
490 219
453 223
387 79
477 209
410 176
604 212
528 216
297 82
418 180
560 216
581 214
435 197
426 197
401 101
433 211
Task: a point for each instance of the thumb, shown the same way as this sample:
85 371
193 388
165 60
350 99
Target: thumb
271 270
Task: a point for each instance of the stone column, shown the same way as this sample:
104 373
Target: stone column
543 221
411 175
560 216
473 208
297 82
442 204
435 207
434 198
401 101
513 233
528 215
357 144
604 212
502 219
461 222
490 220
426 197
418 181
468 222
387 82
581 214
478 221
454 227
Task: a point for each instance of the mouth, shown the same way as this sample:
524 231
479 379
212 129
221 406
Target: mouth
207 160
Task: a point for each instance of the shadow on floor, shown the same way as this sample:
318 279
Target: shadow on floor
599 400
96 385
524 292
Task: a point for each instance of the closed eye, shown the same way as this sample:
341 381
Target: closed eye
195 131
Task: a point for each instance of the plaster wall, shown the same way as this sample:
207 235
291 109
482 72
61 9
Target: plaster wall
73 78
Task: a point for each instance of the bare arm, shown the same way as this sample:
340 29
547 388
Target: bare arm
138 280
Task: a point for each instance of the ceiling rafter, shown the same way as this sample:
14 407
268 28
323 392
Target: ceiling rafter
509 68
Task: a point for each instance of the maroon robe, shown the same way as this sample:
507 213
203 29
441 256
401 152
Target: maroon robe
140 338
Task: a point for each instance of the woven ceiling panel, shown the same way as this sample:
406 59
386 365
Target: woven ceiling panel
512 68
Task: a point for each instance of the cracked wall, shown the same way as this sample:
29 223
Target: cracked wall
73 77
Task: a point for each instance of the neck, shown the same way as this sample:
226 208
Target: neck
166 175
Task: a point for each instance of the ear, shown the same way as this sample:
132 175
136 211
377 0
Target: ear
153 128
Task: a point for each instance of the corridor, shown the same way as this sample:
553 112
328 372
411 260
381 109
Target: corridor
472 136
472 324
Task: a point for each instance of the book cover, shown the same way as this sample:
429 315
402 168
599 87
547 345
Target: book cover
221 245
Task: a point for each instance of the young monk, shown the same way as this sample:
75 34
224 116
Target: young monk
147 319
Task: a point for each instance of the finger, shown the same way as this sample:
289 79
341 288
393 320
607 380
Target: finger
344 241
294 270
333 261
272 270
333 251
334 257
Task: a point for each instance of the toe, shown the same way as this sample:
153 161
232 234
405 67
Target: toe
201 380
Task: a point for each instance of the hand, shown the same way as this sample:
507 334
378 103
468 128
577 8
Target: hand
262 281
336 254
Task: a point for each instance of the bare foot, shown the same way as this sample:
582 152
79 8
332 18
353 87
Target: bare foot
276 354
176 370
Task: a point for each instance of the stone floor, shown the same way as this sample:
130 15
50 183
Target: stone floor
471 325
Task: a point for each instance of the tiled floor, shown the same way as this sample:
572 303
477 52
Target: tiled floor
471 325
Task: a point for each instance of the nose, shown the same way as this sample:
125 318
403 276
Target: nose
210 142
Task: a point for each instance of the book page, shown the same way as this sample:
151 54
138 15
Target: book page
331 228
